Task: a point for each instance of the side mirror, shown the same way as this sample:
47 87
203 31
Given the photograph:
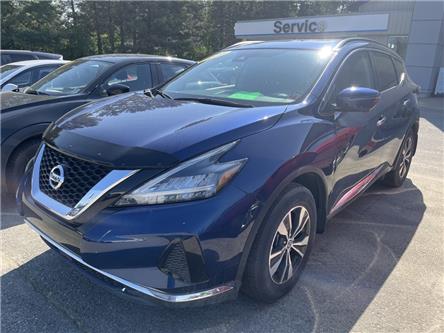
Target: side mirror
357 99
116 89
10 87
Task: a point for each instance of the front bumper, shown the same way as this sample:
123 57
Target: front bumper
217 294
124 247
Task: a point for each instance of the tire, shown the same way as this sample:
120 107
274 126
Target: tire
397 176
17 163
265 278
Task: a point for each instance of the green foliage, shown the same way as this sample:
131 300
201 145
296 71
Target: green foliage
189 29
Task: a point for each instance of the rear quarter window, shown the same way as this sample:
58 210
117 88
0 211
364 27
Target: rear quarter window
385 71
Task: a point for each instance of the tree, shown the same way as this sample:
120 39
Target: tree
190 29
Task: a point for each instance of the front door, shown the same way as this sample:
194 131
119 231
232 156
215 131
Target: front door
359 151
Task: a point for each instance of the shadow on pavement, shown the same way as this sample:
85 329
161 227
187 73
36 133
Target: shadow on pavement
349 264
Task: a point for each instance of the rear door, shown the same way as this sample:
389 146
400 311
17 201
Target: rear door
359 152
395 102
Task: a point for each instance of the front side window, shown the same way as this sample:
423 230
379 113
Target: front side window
256 76
72 78
8 69
23 79
135 76
355 72
387 77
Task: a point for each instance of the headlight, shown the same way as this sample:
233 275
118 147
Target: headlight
198 178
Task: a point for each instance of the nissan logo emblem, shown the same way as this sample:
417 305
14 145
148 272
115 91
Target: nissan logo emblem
56 177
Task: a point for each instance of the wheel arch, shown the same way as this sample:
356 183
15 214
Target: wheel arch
315 184
17 140
311 178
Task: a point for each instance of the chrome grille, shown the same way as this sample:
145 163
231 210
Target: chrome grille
80 176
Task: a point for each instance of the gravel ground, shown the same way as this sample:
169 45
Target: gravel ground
379 267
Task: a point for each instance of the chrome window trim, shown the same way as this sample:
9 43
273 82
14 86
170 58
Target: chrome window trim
112 179
148 291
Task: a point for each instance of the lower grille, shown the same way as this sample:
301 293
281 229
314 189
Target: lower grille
80 176
175 262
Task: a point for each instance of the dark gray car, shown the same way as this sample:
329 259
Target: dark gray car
25 116
8 56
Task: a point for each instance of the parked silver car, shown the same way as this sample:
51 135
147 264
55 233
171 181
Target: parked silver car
18 75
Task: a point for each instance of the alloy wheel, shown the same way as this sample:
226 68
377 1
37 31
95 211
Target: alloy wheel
406 157
289 244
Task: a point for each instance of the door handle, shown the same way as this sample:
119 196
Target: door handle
381 121
405 105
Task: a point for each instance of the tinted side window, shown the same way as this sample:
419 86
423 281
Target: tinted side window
385 71
6 59
356 71
23 79
135 76
169 70
41 72
21 57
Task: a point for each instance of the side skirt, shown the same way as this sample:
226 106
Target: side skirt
353 192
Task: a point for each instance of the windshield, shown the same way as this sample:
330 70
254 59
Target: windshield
8 69
70 79
254 76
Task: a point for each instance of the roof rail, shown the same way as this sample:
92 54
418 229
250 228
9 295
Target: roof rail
244 42
356 39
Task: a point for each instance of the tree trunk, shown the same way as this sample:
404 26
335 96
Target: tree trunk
96 23
121 26
110 28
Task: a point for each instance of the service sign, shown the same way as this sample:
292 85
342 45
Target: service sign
313 25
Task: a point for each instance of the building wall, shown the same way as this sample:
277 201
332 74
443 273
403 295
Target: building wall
387 6
400 16
425 44
415 29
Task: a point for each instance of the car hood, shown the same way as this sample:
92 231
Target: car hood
136 131
15 100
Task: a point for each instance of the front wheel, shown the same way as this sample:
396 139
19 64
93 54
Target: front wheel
396 177
282 246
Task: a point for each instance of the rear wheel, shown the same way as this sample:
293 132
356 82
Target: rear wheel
396 177
17 163
282 246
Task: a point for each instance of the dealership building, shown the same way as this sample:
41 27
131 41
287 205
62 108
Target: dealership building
414 29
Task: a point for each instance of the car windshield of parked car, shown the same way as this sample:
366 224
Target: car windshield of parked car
251 76
70 79
8 69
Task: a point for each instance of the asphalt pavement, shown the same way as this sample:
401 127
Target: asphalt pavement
379 267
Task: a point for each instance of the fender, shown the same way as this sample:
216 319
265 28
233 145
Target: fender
12 142
267 205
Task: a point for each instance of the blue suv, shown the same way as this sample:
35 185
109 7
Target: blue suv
218 180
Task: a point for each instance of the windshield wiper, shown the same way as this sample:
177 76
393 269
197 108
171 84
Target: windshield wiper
35 92
155 91
215 101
